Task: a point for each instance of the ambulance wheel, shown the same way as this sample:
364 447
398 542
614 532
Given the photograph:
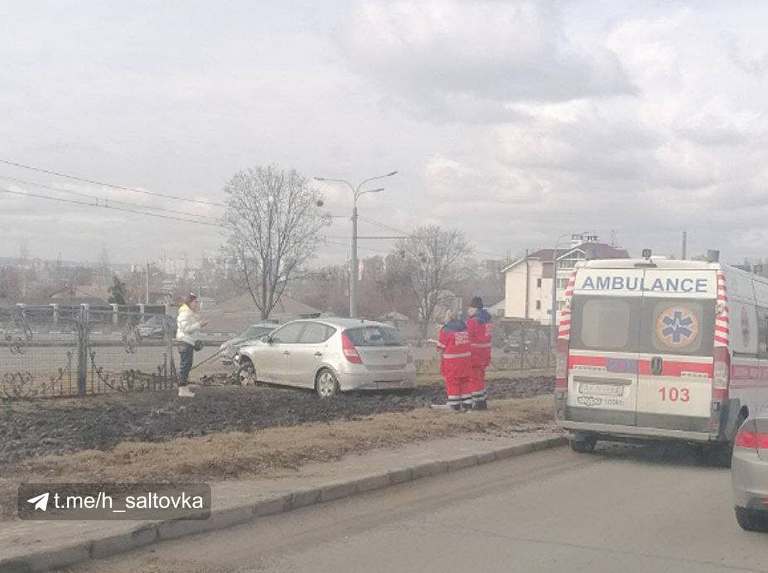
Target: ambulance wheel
752 520
326 384
583 443
718 455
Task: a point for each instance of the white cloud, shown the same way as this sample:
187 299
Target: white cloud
442 59
515 121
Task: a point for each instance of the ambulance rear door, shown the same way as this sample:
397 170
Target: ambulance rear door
603 351
675 364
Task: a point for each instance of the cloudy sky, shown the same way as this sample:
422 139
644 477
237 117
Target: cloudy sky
516 122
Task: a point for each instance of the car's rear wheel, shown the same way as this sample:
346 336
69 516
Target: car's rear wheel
583 443
246 373
751 519
326 384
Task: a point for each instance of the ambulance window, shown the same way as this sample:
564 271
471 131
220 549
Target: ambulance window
680 326
605 323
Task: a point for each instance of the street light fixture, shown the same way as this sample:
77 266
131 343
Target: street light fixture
357 192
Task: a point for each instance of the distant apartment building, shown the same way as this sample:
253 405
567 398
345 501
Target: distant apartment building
528 281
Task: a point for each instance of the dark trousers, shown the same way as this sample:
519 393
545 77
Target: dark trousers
186 353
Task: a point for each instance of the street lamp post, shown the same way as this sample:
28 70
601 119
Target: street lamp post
357 192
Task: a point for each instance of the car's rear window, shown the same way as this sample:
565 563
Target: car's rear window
374 336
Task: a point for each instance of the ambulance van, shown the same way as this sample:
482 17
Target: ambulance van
657 349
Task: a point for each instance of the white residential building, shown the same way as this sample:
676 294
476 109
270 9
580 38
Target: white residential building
528 281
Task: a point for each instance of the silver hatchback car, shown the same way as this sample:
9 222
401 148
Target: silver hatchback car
749 473
330 356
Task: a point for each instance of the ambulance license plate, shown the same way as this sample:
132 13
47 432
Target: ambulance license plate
601 389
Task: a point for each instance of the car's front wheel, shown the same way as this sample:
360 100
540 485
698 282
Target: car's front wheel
751 519
246 373
326 384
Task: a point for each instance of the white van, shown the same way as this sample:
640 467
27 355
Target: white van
661 349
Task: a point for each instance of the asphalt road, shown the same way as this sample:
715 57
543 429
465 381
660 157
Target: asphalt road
622 509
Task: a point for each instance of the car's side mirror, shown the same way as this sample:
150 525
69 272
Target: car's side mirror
269 340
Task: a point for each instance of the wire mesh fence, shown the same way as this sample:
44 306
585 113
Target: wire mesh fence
59 350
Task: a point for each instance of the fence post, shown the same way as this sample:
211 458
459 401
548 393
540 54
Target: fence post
170 329
82 350
552 344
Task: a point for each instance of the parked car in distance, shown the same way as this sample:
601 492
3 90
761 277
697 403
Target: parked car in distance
153 327
330 355
749 473
254 332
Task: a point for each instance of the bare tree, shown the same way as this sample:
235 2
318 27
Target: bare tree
273 223
435 258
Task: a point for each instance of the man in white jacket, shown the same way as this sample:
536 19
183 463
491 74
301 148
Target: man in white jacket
188 325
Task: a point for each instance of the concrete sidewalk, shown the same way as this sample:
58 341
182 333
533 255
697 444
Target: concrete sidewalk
40 546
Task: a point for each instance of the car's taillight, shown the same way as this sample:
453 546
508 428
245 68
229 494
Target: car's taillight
349 350
561 365
750 437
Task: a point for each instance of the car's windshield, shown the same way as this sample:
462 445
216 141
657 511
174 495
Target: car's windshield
256 332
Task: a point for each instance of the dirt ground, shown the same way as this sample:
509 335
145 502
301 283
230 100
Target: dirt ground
62 426
272 451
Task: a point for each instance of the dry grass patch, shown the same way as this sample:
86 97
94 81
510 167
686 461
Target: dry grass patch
238 454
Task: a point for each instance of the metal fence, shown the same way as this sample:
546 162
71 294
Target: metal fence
60 350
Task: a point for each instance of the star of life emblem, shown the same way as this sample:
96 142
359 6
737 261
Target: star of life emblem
677 327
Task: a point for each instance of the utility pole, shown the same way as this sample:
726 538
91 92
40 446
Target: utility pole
685 244
527 284
146 301
354 271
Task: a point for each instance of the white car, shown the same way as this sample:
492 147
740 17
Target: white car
330 356
749 474
254 332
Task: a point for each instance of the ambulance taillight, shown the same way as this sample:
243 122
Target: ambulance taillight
721 376
561 365
561 377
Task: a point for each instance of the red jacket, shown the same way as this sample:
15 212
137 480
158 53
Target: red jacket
456 350
479 329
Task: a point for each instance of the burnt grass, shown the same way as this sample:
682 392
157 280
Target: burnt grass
42 427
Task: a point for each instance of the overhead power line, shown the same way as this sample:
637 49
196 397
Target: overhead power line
95 182
337 243
396 230
87 204
384 226
105 200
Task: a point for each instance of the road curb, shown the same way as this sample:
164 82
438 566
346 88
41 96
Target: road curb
220 519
